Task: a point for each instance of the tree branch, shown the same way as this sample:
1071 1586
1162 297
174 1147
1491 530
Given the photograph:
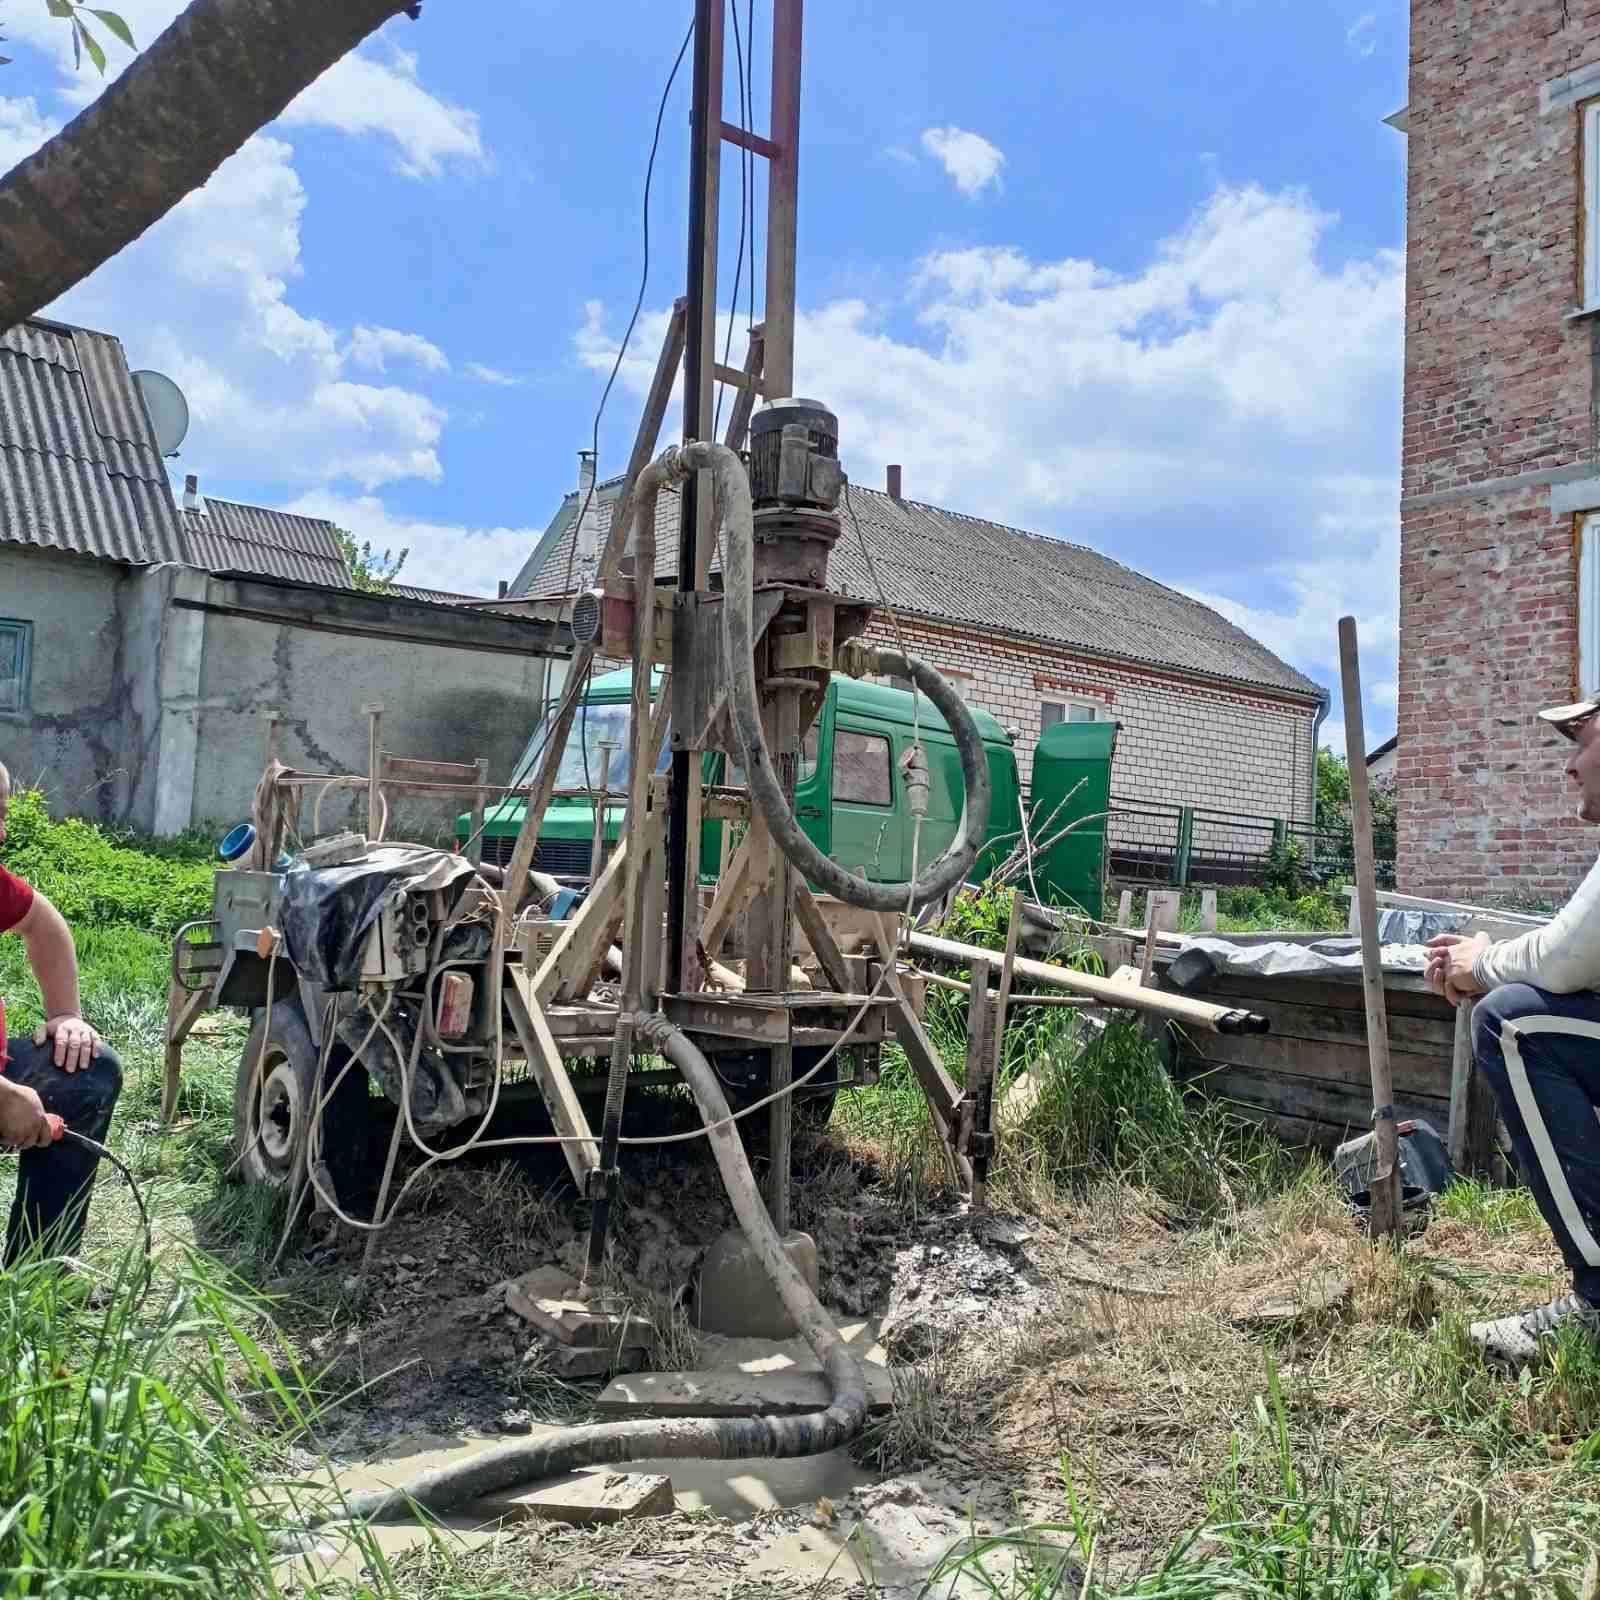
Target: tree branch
223 70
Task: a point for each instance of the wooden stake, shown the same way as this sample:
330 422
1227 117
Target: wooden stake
374 716
1385 1203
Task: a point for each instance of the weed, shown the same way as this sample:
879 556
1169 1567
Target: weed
1497 1212
94 882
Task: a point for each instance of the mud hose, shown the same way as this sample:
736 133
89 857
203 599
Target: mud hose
951 869
708 1438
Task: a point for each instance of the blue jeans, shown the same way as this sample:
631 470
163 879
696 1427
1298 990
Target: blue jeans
1540 1052
54 1184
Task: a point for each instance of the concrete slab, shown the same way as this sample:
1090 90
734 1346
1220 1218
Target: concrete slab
733 1294
583 1499
548 1297
733 1394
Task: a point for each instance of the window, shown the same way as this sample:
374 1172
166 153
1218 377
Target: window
1589 210
16 658
1588 606
1053 711
861 769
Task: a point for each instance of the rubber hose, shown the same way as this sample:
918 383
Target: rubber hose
951 869
703 1438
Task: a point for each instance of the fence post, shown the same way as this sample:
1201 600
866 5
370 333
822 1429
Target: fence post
1180 863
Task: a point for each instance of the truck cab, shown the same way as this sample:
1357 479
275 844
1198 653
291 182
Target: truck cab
850 793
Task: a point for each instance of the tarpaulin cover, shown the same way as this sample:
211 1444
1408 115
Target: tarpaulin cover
328 911
1209 956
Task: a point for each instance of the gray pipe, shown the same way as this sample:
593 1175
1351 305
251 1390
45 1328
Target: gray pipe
951 869
707 1438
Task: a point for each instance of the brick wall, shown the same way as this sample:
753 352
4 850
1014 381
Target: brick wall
1181 740
1498 391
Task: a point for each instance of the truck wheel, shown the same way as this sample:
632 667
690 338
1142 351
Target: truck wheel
275 1094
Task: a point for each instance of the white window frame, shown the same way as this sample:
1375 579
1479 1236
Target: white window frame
1097 712
1591 205
1589 604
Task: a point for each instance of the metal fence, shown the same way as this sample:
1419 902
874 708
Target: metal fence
1179 846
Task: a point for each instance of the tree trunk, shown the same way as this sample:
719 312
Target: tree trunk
224 69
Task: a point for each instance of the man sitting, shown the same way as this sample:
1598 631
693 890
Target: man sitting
1536 1039
66 1069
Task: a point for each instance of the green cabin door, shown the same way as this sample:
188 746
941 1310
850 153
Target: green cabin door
1073 871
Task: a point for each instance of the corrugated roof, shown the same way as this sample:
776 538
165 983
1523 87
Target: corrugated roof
79 466
437 597
233 537
951 567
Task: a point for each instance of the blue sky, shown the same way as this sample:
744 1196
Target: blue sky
1129 273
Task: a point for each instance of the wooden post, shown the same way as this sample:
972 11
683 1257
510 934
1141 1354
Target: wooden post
980 1015
989 1068
1148 965
480 800
1385 1203
597 848
1460 1082
374 716
783 187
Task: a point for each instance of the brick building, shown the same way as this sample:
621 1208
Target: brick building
1037 630
1500 494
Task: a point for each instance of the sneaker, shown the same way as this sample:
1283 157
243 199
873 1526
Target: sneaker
1515 1339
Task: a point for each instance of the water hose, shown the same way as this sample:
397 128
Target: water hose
766 789
702 1438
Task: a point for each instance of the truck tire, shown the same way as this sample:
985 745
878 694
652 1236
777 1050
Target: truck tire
275 1094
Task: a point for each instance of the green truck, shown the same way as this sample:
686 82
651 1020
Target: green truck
849 795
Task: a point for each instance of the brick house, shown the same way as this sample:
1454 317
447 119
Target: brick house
1500 494
1037 631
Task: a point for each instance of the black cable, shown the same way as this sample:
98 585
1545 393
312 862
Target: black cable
638 304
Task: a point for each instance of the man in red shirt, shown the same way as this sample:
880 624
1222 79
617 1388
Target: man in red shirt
66 1068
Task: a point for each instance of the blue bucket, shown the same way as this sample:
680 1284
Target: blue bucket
237 842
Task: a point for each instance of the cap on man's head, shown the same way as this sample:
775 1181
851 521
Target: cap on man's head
1566 720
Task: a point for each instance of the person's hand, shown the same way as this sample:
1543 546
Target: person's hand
23 1124
77 1044
1451 957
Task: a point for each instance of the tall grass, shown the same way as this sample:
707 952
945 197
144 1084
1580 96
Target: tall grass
144 1442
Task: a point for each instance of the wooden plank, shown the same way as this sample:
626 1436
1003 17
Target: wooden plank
820 937
393 766
183 1008
582 1500
1335 1063
731 1392
583 942
1311 1097
783 183
550 1072
1332 994
1328 1025
753 142
1460 1083
744 400
734 888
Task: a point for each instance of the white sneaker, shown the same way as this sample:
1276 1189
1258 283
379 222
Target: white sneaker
1515 1339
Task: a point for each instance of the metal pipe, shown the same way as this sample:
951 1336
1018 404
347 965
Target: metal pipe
1126 996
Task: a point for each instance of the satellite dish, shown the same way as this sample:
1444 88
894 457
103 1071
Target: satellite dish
169 411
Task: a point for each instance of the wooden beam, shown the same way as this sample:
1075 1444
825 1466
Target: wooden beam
644 444
744 400
753 142
736 379
820 936
183 1008
783 187
582 943
733 892
550 1072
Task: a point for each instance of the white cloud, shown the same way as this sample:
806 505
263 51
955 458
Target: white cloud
970 160
443 556
375 347
1193 418
361 94
1362 34
492 375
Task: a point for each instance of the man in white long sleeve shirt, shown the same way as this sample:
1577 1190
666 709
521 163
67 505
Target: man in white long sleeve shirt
1536 1039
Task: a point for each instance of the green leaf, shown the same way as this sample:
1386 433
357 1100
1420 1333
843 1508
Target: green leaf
59 8
96 51
116 25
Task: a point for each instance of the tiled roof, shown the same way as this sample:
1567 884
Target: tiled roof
79 466
233 537
950 567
